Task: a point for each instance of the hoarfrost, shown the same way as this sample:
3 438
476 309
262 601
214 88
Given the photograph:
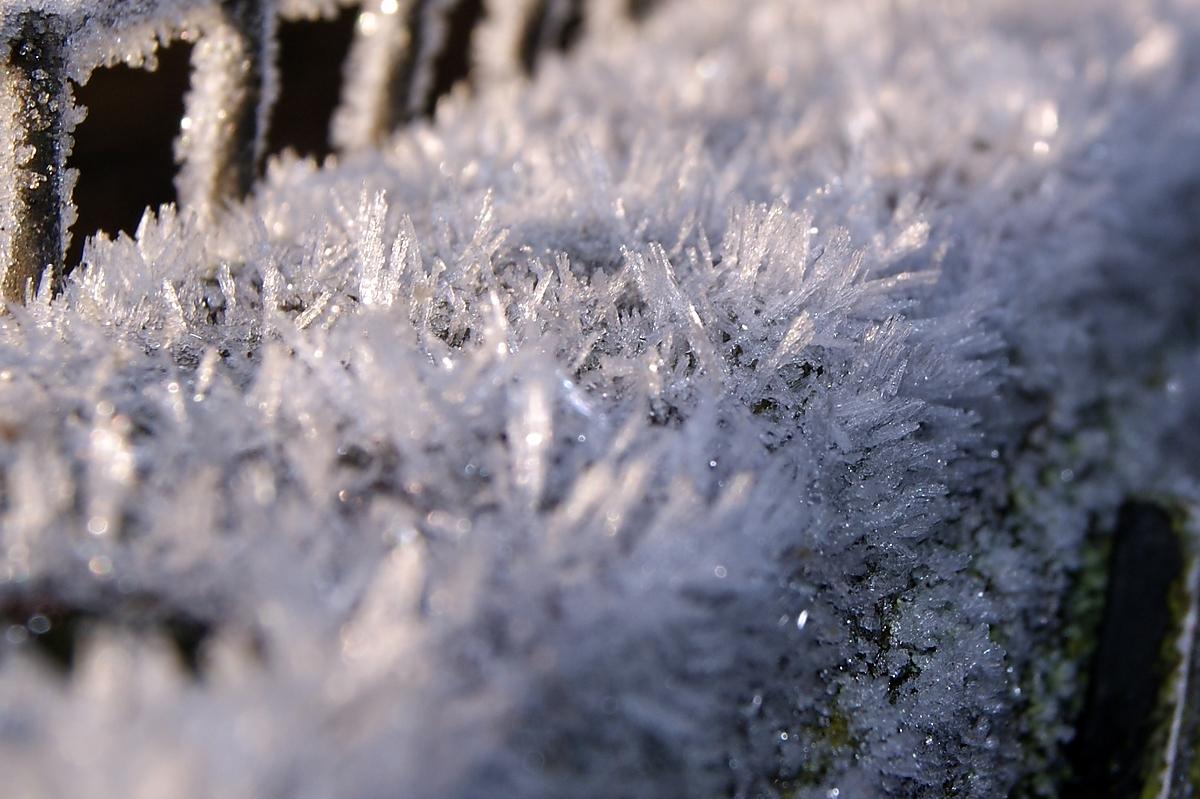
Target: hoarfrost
677 423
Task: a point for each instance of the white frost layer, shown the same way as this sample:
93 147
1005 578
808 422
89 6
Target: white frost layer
649 430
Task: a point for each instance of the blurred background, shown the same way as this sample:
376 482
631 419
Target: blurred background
124 149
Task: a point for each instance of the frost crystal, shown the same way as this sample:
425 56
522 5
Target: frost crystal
734 408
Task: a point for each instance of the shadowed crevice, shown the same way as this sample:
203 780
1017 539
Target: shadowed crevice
453 63
1115 749
124 148
312 54
54 628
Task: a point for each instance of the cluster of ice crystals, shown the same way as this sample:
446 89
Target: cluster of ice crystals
721 412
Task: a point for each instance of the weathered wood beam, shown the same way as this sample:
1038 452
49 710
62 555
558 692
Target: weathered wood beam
33 148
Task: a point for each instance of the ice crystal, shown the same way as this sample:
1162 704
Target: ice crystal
722 411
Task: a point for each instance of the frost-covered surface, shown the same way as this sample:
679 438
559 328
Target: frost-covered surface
724 413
